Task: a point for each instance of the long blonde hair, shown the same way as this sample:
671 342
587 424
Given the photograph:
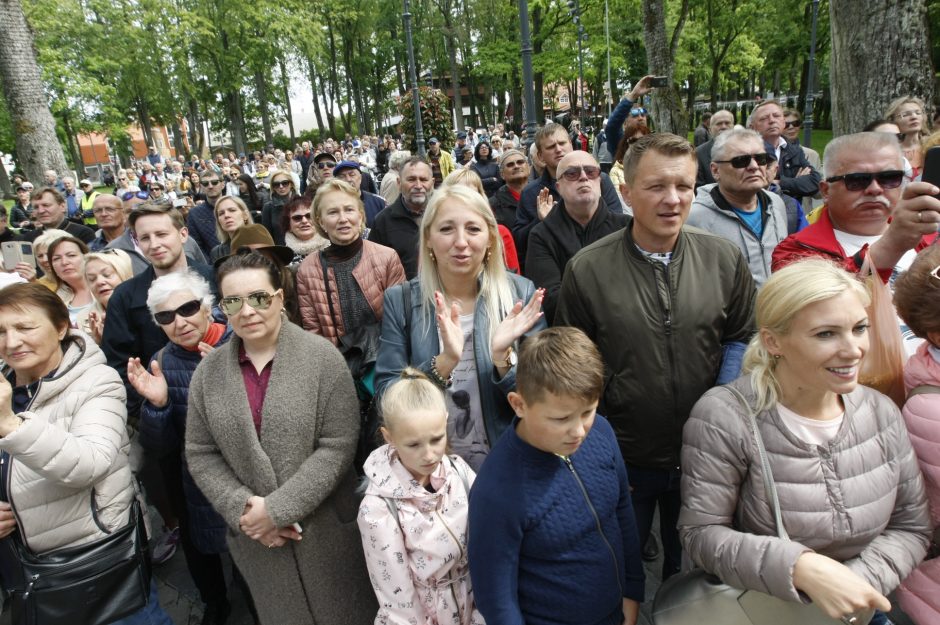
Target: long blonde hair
495 288
785 294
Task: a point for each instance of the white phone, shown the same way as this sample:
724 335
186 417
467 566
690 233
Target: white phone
15 252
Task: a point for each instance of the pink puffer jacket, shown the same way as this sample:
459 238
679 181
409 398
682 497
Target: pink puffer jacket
919 594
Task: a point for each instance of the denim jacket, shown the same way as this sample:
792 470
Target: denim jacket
393 355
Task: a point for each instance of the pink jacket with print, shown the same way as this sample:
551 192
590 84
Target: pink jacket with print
417 558
919 594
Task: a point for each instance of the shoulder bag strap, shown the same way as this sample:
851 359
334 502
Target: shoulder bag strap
461 473
326 282
766 472
406 316
924 389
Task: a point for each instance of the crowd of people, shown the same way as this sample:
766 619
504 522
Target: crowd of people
459 388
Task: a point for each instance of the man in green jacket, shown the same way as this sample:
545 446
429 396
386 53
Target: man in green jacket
671 310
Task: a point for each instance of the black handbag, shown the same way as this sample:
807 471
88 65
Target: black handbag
694 596
91 584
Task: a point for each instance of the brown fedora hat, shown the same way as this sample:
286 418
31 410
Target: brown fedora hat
256 237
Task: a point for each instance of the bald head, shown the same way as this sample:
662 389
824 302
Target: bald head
579 182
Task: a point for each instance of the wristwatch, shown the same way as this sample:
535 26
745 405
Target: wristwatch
510 360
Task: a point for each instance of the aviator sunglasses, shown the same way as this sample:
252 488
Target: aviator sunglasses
259 300
572 174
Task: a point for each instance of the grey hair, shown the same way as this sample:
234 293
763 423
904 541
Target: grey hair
398 158
858 143
163 287
735 134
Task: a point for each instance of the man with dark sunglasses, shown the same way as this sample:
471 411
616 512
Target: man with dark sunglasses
578 219
201 218
737 207
798 178
514 170
863 188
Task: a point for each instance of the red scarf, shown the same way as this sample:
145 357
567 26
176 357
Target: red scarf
213 333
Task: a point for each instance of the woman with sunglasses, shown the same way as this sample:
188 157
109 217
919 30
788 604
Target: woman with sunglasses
181 304
283 190
300 233
632 131
909 114
460 319
487 168
623 110
231 213
271 430
124 182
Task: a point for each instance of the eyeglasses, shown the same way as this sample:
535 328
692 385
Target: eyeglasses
890 179
259 300
211 183
514 164
140 195
190 308
281 183
911 113
574 173
742 161
794 124
301 217
637 112
326 165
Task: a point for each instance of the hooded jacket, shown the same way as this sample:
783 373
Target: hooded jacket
858 499
417 558
712 212
69 481
919 595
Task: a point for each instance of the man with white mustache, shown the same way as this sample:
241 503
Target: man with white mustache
862 186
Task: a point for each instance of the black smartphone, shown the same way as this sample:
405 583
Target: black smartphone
931 171
659 81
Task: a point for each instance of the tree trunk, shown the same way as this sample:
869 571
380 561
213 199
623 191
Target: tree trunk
454 76
236 121
538 78
667 111
261 90
37 147
314 83
143 118
285 86
879 49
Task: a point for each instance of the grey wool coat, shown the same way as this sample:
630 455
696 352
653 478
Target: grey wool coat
301 464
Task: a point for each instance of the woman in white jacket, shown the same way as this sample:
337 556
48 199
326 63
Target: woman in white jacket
63 437
413 519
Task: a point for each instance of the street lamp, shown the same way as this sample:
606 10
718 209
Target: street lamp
528 84
808 111
413 78
574 9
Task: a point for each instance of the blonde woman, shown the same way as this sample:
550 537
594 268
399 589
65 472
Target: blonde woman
104 271
231 213
470 179
850 491
460 319
910 115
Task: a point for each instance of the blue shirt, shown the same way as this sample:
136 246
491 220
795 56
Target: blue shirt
754 220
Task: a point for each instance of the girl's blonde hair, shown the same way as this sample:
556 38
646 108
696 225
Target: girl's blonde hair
411 393
495 288
225 237
785 294
466 177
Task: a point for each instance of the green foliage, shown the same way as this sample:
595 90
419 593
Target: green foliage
435 117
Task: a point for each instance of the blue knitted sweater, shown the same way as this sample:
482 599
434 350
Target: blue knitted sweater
536 554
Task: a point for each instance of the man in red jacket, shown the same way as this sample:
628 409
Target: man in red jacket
868 211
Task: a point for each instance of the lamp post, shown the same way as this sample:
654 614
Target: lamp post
413 78
574 9
808 111
528 83
610 90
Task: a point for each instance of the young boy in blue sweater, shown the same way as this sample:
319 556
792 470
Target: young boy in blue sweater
552 535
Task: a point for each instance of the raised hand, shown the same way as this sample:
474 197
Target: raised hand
519 321
151 385
448 327
545 203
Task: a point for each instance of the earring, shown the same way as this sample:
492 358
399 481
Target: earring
776 356
488 254
431 253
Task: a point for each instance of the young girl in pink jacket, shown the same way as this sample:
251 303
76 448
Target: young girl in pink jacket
917 297
413 519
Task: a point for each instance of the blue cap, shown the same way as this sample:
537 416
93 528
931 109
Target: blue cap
433 140
345 165
461 135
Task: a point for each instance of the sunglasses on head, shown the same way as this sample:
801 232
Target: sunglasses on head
740 162
326 165
574 173
298 218
281 183
211 183
794 124
140 195
637 112
860 181
259 300
166 317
